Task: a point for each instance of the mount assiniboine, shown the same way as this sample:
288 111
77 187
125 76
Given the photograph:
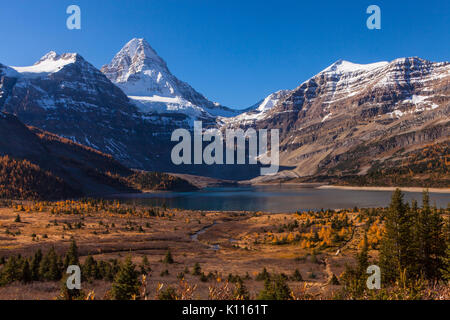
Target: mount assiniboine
147 81
349 120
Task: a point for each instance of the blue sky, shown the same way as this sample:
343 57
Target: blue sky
234 52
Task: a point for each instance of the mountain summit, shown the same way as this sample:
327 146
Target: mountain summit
139 71
348 120
357 119
145 78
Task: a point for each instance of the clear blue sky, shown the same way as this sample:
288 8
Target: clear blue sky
235 51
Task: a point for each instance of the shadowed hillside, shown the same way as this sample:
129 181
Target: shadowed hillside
20 179
42 165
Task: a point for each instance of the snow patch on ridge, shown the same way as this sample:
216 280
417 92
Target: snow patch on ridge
167 105
270 101
326 117
420 104
144 77
343 66
259 111
49 63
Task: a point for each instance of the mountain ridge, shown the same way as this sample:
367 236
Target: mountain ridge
333 112
144 76
343 106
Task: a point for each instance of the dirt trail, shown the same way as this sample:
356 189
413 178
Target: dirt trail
338 252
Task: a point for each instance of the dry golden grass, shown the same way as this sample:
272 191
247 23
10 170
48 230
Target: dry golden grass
238 243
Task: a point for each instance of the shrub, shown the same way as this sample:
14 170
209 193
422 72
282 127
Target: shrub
168 294
168 259
297 276
126 283
262 276
197 269
275 289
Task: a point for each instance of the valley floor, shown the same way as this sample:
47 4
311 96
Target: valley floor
223 244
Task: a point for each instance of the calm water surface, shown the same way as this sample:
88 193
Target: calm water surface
274 198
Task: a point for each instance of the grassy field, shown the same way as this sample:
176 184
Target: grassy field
222 243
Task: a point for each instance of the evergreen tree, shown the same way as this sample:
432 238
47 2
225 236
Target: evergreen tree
26 275
126 283
297 276
334 280
445 259
168 294
197 270
445 270
145 265
90 269
264 275
363 258
168 258
416 243
35 263
438 246
54 272
428 243
48 268
395 251
44 267
275 289
113 269
104 269
240 291
10 272
71 257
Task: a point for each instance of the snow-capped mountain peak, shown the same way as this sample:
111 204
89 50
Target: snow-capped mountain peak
145 78
52 55
139 71
343 66
140 50
136 57
49 63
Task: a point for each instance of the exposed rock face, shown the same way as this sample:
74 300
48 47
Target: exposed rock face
83 169
342 121
8 78
401 104
145 78
257 112
66 95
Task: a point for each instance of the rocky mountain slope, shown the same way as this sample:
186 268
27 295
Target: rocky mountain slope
145 78
41 165
66 95
344 121
350 118
80 170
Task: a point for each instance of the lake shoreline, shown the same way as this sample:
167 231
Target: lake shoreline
374 188
281 198
319 185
